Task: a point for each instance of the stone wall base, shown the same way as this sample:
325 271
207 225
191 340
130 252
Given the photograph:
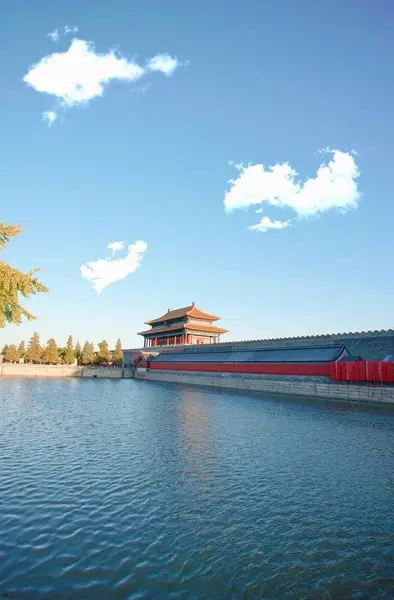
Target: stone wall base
333 391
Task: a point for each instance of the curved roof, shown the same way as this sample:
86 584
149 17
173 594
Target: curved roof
204 327
186 311
319 354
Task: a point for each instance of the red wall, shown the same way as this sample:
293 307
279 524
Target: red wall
322 370
370 370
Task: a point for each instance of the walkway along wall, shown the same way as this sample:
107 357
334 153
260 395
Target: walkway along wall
334 391
29 370
59 371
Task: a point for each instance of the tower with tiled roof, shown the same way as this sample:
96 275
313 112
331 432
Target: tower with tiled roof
188 325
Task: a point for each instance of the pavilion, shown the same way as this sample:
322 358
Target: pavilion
182 326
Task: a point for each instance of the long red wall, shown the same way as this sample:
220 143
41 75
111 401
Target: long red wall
322 370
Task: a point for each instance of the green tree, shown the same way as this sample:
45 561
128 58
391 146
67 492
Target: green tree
78 352
34 350
4 350
14 282
87 356
62 352
118 354
51 354
21 351
96 360
69 358
11 354
104 355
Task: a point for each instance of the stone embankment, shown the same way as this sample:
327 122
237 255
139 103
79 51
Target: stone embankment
334 391
243 383
106 372
28 370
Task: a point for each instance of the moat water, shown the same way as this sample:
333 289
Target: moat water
126 489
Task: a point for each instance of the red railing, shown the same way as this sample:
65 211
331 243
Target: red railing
377 371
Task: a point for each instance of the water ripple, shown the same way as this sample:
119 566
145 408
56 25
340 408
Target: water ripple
129 490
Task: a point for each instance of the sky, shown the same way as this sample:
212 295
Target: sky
235 155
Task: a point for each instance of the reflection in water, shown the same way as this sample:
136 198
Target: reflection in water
195 432
197 455
125 489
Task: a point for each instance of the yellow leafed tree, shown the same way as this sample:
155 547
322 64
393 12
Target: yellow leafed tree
14 283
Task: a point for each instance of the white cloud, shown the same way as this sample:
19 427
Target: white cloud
115 246
49 117
104 271
69 29
266 223
333 187
164 63
80 74
54 35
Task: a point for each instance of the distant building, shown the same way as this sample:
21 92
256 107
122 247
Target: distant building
182 326
142 358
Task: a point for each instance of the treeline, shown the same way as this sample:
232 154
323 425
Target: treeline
51 354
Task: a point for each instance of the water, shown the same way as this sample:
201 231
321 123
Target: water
128 489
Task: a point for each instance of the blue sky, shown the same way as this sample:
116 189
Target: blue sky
257 83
